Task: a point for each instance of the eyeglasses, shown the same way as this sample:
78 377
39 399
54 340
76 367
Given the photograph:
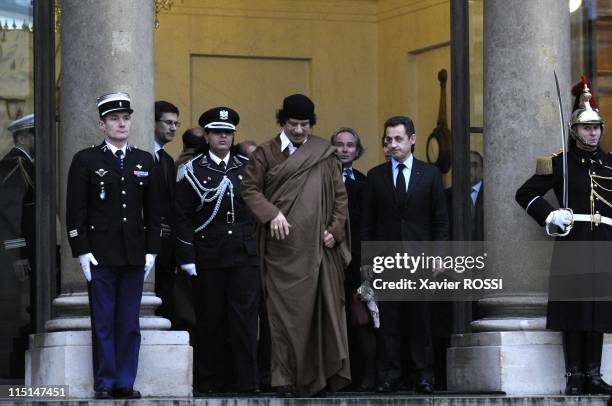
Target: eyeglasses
169 123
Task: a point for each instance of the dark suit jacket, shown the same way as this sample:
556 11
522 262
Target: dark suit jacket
167 179
422 217
354 191
110 212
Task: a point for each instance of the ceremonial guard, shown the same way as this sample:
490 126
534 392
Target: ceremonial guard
113 224
582 181
215 237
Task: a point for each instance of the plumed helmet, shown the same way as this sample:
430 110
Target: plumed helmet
585 106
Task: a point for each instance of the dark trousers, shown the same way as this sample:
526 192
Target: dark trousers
226 304
164 280
114 300
405 342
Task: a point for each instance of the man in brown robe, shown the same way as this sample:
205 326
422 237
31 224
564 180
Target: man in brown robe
293 186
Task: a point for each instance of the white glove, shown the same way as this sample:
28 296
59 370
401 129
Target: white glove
190 269
149 262
560 217
85 261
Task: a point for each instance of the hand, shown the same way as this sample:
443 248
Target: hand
279 227
86 260
149 262
190 269
166 231
328 239
560 217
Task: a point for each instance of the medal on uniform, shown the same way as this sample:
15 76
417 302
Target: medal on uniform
101 172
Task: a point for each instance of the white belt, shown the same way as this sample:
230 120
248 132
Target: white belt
595 218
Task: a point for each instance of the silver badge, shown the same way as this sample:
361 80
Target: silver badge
101 172
223 114
138 166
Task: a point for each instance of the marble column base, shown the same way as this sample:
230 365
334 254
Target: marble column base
514 362
64 358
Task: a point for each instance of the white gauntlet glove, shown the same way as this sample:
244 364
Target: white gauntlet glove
86 260
560 217
149 262
190 269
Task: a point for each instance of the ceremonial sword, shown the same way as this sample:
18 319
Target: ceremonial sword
564 160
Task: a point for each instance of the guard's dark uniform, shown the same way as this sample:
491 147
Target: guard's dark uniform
584 170
217 235
114 214
579 291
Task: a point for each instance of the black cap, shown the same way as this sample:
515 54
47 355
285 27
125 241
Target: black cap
113 102
299 107
220 118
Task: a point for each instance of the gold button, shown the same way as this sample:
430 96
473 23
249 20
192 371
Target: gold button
101 183
122 179
582 160
123 192
92 227
124 219
140 183
202 237
229 231
124 205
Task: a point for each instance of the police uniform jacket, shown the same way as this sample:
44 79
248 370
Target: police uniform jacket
228 240
589 176
110 212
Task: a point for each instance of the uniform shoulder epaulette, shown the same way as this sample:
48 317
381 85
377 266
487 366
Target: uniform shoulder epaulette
186 167
544 165
239 157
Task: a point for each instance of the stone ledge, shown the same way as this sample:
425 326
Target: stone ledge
365 400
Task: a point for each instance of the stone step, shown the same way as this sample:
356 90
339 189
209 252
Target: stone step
351 400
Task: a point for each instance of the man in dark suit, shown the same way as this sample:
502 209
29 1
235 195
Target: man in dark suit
362 342
166 123
112 219
404 201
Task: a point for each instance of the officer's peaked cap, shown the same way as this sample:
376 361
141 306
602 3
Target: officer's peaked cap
22 123
114 102
219 118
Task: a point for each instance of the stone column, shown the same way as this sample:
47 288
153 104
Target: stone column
511 351
106 46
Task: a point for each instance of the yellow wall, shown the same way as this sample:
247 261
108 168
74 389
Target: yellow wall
361 61
250 54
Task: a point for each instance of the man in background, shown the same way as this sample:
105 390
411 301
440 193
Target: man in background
166 123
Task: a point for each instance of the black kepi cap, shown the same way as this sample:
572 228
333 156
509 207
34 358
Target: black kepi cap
220 118
113 102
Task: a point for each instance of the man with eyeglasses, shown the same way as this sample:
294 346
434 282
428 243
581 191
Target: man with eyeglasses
166 123
293 186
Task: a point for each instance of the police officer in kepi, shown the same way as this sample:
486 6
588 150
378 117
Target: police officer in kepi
215 245
579 276
113 223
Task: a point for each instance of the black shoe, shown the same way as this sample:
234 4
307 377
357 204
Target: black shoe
286 391
594 385
425 387
574 385
385 387
126 393
103 394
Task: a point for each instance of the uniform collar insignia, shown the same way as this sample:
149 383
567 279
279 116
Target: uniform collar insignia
237 161
101 172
